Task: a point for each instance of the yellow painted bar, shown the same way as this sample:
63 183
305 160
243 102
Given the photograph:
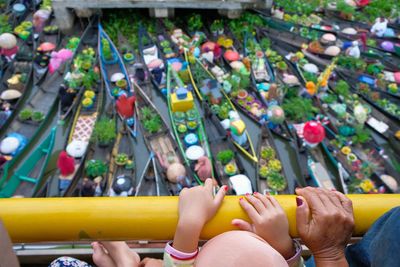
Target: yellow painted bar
142 218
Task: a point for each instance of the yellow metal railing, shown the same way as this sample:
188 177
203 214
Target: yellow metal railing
143 218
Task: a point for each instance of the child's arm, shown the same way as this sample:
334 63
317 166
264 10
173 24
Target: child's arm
269 221
197 206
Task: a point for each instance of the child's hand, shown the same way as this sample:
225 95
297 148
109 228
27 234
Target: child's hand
114 254
269 221
197 205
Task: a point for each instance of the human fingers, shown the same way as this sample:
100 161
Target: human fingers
257 204
121 253
249 209
334 199
274 203
262 198
219 197
346 203
208 184
302 216
324 195
311 197
100 257
242 225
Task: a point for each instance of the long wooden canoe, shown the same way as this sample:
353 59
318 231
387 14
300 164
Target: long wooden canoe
173 84
121 180
159 141
26 179
81 132
151 53
198 75
111 67
220 143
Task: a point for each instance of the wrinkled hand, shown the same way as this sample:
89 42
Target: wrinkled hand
269 221
325 223
114 254
198 204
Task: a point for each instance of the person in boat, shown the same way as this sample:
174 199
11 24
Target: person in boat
277 12
67 96
39 20
126 106
203 168
354 50
88 188
380 26
8 46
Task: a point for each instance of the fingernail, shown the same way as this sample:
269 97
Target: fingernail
299 201
240 199
247 194
333 189
226 188
255 193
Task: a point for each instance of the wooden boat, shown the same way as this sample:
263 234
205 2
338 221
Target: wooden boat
201 77
43 101
393 113
89 40
78 139
365 158
295 37
159 140
136 68
121 179
151 56
274 182
332 17
360 151
186 122
50 34
25 45
237 180
149 182
112 67
176 35
94 186
327 26
377 121
26 179
313 156
17 78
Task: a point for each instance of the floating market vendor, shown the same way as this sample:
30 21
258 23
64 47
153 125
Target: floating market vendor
126 106
8 46
203 168
39 20
380 27
66 164
354 50
67 96
88 188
